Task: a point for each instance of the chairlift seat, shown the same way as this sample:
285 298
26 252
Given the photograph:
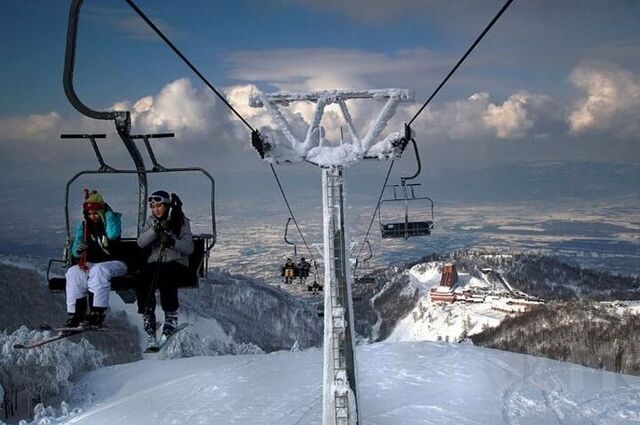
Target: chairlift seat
135 259
413 228
365 280
293 272
315 285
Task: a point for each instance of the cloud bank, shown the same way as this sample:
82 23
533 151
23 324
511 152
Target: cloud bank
611 102
607 103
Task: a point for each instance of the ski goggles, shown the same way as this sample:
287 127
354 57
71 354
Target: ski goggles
155 199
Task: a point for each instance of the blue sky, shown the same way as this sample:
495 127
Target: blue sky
553 82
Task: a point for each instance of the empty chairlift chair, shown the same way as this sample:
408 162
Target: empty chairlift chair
418 210
364 277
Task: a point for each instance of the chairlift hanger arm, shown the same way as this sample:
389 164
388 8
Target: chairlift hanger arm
370 256
417 173
286 232
69 67
121 119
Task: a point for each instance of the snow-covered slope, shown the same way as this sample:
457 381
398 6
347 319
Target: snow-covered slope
400 383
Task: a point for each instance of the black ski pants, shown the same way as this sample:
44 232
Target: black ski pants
163 277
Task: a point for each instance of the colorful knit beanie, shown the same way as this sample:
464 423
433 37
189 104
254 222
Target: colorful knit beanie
93 201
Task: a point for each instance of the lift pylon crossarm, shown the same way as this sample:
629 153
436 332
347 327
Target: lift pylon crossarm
332 96
312 147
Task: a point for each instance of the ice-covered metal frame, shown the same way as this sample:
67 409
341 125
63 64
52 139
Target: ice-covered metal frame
312 148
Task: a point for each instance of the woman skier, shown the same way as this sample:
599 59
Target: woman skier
94 245
168 235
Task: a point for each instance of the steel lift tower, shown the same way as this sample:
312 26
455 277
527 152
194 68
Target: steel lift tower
340 389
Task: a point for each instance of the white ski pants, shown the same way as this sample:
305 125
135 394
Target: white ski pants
97 280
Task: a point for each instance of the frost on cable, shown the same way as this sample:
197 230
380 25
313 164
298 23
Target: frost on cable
314 147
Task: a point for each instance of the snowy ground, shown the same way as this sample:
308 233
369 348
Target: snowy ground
430 321
400 383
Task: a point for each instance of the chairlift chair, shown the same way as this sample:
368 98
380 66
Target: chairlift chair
310 287
408 227
295 249
129 252
133 256
365 277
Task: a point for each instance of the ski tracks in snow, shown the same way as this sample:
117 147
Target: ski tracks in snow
129 398
144 393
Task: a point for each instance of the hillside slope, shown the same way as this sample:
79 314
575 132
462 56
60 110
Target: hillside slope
400 383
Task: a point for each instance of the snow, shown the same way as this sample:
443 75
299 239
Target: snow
432 321
313 148
326 156
522 228
400 383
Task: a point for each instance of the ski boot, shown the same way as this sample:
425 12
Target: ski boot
76 319
149 321
95 318
170 323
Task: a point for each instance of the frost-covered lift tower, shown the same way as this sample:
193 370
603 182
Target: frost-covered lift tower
340 391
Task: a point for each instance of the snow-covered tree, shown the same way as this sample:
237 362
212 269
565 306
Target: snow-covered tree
40 374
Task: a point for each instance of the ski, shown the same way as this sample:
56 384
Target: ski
61 335
163 341
79 328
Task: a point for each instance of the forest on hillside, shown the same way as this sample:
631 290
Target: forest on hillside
583 332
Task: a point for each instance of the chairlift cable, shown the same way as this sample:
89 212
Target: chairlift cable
184 58
208 84
455 68
293 217
373 216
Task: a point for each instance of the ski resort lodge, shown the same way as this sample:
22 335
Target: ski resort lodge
444 292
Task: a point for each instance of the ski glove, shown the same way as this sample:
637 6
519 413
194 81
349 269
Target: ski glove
167 241
81 246
161 226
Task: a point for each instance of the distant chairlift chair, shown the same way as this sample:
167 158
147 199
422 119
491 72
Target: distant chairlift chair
285 272
407 228
364 275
